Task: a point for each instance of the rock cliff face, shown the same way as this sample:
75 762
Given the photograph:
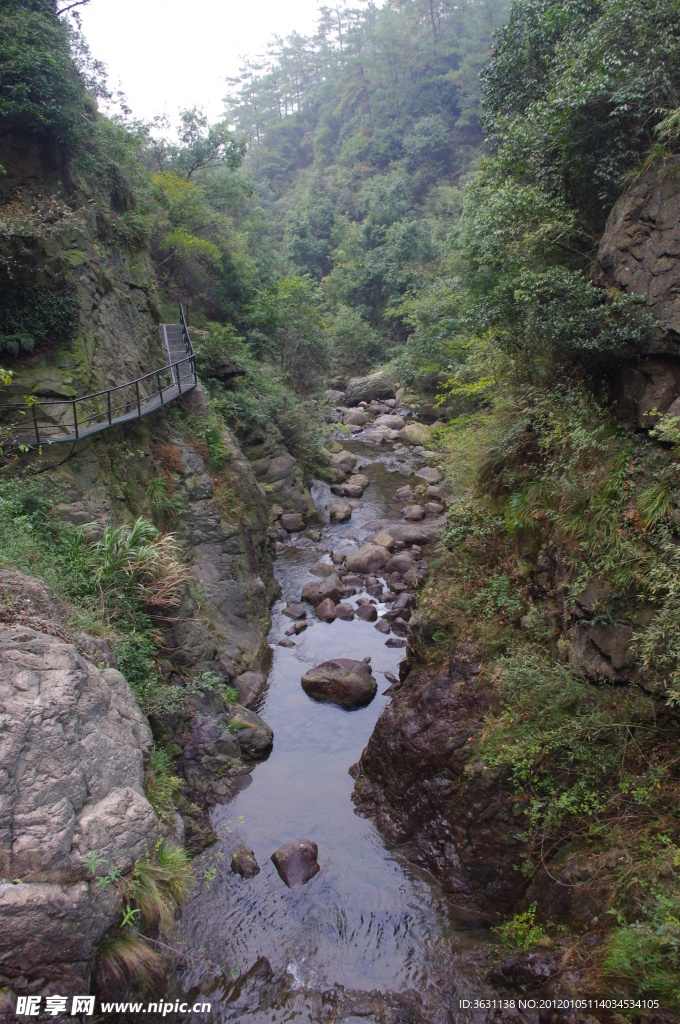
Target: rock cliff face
71 785
414 779
640 253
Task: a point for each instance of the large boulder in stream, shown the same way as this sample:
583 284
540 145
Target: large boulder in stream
342 681
368 558
318 590
297 862
364 389
415 433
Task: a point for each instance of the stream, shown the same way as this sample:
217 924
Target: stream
369 921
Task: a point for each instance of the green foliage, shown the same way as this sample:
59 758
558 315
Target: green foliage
160 884
36 317
161 785
645 955
521 932
40 90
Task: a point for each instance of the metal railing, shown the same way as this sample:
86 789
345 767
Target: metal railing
35 423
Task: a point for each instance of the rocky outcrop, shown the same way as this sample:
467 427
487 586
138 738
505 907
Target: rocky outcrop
414 780
72 805
640 250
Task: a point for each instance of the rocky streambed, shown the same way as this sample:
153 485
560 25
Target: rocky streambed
369 936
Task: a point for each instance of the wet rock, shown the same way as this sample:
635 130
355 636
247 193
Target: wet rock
374 589
344 461
399 626
390 402
359 480
383 626
393 641
313 534
410 533
325 610
373 437
429 474
384 540
243 862
355 418
295 611
344 612
323 569
337 557
353 580
367 612
403 602
254 737
285 642
391 421
250 685
292 522
315 592
347 490
334 396
339 513
401 562
415 433
297 628
342 681
297 862
367 558
526 969
375 385
404 493
433 492
434 508
414 513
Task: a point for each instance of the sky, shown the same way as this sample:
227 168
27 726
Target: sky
168 55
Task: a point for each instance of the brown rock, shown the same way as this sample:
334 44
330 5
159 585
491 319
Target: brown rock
367 612
384 539
325 610
413 513
297 862
342 681
339 513
344 612
295 611
363 389
355 418
286 642
292 522
316 592
367 558
243 862
401 562
383 626
344 461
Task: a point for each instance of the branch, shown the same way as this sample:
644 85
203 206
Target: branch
69 7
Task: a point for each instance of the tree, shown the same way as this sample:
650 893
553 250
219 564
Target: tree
206 146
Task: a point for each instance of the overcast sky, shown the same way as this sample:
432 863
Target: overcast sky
171 54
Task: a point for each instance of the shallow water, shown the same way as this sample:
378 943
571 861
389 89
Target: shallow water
368 920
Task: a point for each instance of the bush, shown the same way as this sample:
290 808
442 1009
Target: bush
35 317
645 955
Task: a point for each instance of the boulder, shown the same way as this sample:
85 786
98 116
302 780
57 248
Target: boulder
343 681
334 396
409 533
250 685
367 612
414 513
325 610
71 785
297 627
427 413
292 522
243 862
384 540
339 513
344 611
368 558
344 461
404 493
390 421
358 480
429 474
373 436
402 562
286 642
383 626
434 508
254 737
364 389
297 862
415 433
295 611
355 418
316 592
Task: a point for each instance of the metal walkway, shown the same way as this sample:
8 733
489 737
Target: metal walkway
67 420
